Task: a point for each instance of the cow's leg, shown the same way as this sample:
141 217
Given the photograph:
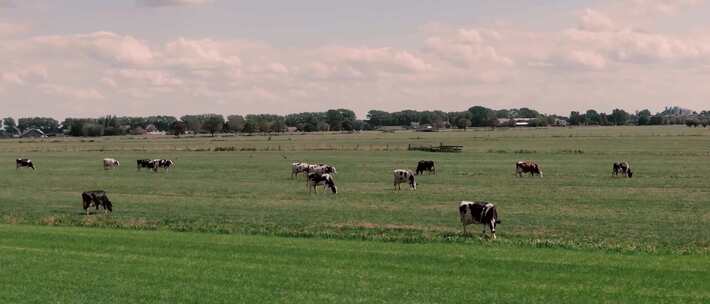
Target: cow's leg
464 228
492 225
483 234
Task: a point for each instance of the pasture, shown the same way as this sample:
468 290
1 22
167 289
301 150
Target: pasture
241 185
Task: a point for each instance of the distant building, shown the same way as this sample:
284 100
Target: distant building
151 128
426 128
560 122
33 133
515 122
291 129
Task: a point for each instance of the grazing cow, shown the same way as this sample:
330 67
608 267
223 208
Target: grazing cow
425 165
404 176
622 168
110 163
144 163
298 167
96 198
527 167
323 169
479 213
162 163
24 162
326 180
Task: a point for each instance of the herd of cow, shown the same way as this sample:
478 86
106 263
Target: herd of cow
323 175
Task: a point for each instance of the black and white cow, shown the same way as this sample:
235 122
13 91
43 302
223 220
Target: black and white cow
622 168
144 163
24 162
479 213
325 180
96 198
298 168
425 165
110 163
162 164
527 167
323 169
404 176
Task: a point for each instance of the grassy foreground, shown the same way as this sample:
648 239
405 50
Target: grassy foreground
81 265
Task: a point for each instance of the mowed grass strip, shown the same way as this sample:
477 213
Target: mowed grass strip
81 265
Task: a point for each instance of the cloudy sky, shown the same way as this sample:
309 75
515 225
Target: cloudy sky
84 58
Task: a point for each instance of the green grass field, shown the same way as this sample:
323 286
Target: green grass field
79 265
660 218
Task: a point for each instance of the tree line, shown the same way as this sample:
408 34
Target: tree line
345 120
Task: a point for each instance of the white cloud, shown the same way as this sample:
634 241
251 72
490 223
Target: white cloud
469 47
31 74
200 54
103 46
594 21
70 92
10 29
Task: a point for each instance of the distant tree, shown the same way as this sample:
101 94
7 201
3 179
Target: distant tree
249 127
323 126
213 123
92 129
619 117
592 117
380 118
46 124
482 117
604 119
278 125
178 128
656 120
527 113
463 123
193 122
644 117
359 125
575 119
10 124
503 113
692 122
235 123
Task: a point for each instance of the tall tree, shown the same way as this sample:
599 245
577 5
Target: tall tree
193 122
619 117
10 124
213 123
592 117
179 128
644 117
575 119
482 117
235 123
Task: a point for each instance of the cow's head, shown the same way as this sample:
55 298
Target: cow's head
412 182
107 204
331 184
629 173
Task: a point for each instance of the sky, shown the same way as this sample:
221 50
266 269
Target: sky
87 58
